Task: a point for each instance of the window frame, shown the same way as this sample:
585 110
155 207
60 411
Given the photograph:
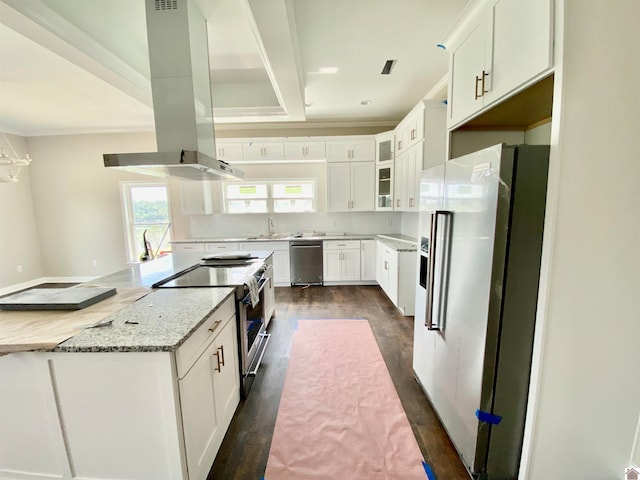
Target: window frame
270 203
129 225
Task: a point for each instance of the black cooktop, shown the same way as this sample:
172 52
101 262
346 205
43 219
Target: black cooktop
205 275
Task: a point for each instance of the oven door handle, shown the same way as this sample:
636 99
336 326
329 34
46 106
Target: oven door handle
265 340
262 281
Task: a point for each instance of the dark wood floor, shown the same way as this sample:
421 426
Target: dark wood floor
244 452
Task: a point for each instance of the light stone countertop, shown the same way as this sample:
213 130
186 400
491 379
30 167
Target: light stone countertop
161 320
280 238
397 241
158 322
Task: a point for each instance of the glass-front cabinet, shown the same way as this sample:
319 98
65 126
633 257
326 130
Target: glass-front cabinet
384 186
385 143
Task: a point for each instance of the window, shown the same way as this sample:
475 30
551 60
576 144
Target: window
293 197
146 209
279 196
246 198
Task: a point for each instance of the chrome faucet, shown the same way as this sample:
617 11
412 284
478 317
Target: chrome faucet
270 229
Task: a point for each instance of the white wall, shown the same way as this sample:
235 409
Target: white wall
540 135
77 201
409 225
586 386
19 243
229 226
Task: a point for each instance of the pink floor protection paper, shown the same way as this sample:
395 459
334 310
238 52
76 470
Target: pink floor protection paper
340 417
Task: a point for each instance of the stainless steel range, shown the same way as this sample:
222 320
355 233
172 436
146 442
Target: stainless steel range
250 312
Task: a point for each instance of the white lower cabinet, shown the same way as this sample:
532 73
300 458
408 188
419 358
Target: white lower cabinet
367 260
209 394
341 261
121 415
395 273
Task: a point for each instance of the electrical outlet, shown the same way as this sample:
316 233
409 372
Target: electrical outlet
19 268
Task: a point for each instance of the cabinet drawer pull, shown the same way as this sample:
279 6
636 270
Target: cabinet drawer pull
215 325
478 79
221 348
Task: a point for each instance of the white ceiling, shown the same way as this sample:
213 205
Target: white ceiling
80 66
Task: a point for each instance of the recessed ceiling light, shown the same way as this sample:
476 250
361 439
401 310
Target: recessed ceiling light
365 102
388 65
327 70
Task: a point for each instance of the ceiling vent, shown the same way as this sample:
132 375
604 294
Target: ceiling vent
388 66
166 4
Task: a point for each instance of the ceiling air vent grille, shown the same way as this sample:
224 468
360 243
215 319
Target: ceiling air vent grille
388 66
166 4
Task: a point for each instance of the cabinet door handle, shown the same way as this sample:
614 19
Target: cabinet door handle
221 348
484 75
397 203
218 367
478 79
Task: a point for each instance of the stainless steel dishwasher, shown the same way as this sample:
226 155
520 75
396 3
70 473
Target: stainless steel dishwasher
306 262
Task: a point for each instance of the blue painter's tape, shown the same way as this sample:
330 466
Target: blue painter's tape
488 417
429 471
441 46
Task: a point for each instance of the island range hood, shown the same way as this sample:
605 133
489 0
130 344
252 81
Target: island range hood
181 92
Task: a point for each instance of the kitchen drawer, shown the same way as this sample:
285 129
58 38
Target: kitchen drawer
188 352
265 246
341 244
187 247
221 247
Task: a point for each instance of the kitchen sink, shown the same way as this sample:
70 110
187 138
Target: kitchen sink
273 236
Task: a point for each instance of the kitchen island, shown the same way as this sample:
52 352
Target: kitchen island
149 395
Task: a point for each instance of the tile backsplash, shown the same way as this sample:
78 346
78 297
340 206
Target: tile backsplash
242 225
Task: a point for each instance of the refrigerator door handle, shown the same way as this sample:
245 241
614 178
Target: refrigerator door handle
438 266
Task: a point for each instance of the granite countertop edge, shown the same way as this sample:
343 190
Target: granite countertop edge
174 332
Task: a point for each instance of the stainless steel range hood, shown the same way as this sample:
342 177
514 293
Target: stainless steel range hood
181 92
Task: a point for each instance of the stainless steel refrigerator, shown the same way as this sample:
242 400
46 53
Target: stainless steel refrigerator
480 226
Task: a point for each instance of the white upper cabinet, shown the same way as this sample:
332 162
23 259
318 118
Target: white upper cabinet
407 177
229 151
350 186
263 151
467 64
197 197
507 45
296 150
410 130
352 150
